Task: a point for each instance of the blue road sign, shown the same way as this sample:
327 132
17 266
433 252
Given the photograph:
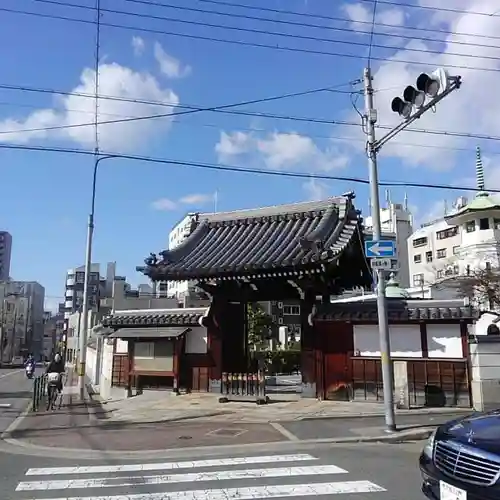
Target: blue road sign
381 248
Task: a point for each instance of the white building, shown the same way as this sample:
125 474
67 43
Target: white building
397 225
5 255
179 233
21 319
468 238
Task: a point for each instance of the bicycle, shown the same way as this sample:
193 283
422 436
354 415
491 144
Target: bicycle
53 392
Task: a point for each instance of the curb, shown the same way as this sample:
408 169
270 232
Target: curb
4 436
388 438
213 417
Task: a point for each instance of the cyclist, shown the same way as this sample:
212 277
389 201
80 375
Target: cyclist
56 366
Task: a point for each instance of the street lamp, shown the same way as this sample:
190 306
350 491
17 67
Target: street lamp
82 344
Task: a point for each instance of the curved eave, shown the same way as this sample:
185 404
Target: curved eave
458 218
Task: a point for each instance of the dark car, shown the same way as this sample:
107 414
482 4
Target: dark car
461 460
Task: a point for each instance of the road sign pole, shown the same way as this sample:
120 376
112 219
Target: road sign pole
385 348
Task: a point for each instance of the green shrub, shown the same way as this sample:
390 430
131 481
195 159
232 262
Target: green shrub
277 361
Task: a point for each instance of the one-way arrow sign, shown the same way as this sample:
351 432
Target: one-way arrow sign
382 248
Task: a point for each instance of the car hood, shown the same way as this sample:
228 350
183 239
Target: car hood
481 430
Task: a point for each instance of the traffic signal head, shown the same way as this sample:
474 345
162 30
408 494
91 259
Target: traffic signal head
403 108
414 96
433 84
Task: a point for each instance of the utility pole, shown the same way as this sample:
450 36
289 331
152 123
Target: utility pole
383 322
436 86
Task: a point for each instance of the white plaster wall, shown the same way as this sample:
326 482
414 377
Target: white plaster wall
444 341
106 371
91 364
485 361
121 346
405 340
196 341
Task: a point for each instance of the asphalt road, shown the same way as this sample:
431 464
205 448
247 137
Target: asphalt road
354 472
15 394
359 426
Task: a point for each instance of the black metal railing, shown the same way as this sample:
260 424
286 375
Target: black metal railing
238 386
39 392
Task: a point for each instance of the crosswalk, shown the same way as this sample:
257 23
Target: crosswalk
241 478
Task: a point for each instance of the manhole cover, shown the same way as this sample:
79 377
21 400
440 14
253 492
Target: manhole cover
184 437
227 432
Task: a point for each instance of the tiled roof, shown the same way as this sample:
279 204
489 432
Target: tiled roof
397 310
165 332
156 317
264 242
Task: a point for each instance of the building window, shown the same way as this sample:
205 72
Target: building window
456 250
496 223
440 274
280 305
484 224
447 233
488 266
456 269
428 256
280 321
80 277
291 310
441 253
418 279
470 226
419 242
417 258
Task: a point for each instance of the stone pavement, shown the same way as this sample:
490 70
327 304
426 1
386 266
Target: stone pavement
158 406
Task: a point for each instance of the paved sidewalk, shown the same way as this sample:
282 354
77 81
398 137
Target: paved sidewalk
165 407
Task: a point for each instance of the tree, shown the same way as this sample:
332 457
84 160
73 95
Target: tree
259 324
479 283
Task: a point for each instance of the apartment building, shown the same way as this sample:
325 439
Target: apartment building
397 225
431 251
52 334
5 255
179 233
465 239
21 319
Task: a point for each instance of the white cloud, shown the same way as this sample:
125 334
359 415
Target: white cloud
279 150
316 190
164 205
114 80
361 15
138 45
196 199
470 109
169 65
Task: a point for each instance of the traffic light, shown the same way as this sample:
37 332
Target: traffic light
426 86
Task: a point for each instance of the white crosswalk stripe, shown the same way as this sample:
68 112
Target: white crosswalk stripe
241 478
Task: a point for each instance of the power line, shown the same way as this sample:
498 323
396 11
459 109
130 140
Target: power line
223 109
263 130
371 44
428 7
344 20
371 29
243 43
234 169
189 110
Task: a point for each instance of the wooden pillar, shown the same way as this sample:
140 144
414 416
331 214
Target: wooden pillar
178 344
308 349
130 367
214 345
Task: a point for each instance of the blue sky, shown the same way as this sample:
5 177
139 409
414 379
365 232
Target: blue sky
45 196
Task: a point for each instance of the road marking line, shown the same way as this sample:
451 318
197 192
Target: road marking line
225 475
10 373
249 493
285 432
217 462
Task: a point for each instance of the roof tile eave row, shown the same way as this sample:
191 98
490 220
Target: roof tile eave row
273 244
